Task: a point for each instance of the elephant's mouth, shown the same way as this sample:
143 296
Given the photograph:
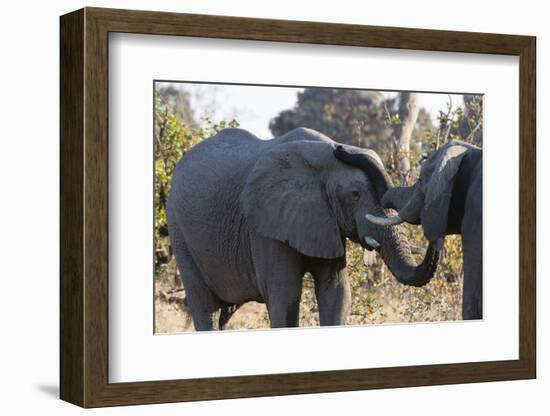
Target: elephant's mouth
370 243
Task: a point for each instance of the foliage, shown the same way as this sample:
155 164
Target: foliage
178 101
356 117
469 128
347 116
463 123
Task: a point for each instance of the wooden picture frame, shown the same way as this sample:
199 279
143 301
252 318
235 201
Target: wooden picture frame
84 207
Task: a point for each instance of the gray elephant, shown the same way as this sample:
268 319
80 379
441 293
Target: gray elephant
446 199
248 217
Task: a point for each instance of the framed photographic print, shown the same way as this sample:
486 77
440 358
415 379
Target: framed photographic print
255 207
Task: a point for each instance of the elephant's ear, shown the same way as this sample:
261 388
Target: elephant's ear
285 199
439 189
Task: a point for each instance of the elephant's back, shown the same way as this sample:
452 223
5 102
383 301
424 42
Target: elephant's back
215 164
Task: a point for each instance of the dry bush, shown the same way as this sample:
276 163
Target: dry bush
377 297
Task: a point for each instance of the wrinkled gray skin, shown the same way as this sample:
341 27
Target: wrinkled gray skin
447 199
247 218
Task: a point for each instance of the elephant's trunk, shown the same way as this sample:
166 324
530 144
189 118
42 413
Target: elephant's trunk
396 253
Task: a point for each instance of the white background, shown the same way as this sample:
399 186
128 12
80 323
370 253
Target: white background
29 220
290 350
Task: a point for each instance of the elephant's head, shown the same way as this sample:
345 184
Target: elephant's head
299 193
428 201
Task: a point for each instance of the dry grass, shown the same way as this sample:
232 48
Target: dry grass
377 297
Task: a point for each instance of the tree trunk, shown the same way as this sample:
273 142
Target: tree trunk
408 113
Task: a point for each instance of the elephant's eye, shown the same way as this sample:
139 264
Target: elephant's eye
355 195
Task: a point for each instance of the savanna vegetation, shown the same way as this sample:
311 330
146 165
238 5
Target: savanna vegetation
400 131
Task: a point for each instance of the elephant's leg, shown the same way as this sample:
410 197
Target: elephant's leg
203 304
472 291
332 291
279 276
473 266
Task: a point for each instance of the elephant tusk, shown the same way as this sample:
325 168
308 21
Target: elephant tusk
372 242
385 221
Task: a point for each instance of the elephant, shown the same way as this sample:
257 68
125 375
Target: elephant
445 200
247 218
